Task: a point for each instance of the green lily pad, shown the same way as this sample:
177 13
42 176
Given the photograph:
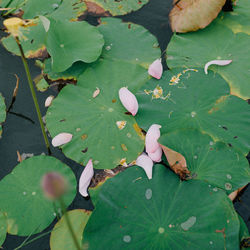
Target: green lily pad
33 42
93 121
2 112
198 101
3 228
60 238
71 73
42 85
69 10
128 42
74 41
115 8
237 20
132 213
209 161
34 8
185 50
21 197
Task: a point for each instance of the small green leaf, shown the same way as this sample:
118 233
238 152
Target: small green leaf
133 213
61 238
2 112
74 41
22 198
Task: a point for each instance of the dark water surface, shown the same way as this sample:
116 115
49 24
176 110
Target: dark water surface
25 136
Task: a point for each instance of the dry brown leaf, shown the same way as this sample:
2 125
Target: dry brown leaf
177 162
235 193
96 10
191 15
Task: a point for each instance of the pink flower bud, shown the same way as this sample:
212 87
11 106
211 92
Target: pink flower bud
61 139
152 136
216 62
85 178
146 163
54 185
128 100
156 69
156 156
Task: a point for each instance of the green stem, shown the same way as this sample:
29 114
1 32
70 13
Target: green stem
69 224
33 93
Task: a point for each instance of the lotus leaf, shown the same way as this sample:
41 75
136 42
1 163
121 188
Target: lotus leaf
60 238
185 50
3 228
94 121
76 41
128 42
189 15
114 8
133 213
2 112
190 99
33 44
21 197
210 161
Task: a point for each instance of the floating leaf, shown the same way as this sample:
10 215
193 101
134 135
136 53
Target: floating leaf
3 228
77 112
237 20
128 42
22 198
76 41
33 45
189 15
132 213
209 161
2 113
185 50
191 99
115 8
61 238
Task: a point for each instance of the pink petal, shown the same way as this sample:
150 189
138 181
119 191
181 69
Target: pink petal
61 139
152 136
48 101
85 178
146 163
156 69
217 62
156 156
128 100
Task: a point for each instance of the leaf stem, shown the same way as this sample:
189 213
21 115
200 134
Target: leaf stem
69 224
33 93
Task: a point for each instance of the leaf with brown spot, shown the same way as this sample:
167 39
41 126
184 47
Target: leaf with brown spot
177 162
191 15
96 10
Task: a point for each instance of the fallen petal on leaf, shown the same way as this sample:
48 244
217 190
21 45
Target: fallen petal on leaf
96 92
177 162
152 136
146 163
156 156
156 69
85 178
45 22
48 101
128 100
216 62
61 139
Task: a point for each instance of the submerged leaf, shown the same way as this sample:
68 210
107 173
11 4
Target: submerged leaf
216 62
